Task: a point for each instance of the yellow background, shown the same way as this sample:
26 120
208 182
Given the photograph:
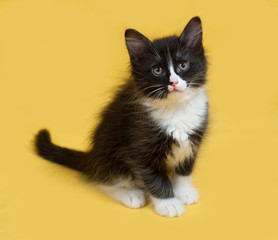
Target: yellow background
60 60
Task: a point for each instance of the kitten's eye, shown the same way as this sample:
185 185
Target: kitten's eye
157 70
183 66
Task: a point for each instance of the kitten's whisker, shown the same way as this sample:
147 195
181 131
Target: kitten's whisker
160 94
142 90
158 89
135 96
156 95
151 87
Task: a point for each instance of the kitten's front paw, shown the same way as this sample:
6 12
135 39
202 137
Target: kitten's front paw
187 195
171 207
134 198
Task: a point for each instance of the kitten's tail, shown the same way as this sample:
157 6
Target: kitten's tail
64 156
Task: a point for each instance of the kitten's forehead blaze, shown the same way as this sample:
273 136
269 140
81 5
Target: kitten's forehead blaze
167 48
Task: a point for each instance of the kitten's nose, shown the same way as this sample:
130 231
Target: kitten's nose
174 84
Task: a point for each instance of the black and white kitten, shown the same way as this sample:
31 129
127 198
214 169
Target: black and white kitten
149 135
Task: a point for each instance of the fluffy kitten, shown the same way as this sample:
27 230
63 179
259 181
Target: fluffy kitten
148 137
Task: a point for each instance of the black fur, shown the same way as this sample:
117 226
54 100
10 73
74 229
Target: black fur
128 143
64 156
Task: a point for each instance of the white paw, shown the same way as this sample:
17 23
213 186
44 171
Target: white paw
171 207
134 198
188 195
184 190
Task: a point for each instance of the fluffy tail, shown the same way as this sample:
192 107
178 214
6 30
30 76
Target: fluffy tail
64 156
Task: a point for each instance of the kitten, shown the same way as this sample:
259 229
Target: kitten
148 137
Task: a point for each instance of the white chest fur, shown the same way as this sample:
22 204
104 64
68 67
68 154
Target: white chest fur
180 114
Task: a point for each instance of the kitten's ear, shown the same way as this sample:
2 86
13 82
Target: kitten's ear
137 44
191 36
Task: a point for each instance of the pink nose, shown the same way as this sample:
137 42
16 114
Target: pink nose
174 84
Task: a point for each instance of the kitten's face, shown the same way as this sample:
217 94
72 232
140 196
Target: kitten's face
168 66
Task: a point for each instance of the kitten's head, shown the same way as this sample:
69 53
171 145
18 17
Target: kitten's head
168 66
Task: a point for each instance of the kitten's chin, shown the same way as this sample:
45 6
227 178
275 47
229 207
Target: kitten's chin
176 91
177 95
174 98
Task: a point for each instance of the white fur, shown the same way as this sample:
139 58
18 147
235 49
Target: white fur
171 207
124 193
184 190
181 85
179 114
170 88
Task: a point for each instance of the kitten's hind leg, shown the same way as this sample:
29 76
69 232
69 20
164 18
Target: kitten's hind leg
130 196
